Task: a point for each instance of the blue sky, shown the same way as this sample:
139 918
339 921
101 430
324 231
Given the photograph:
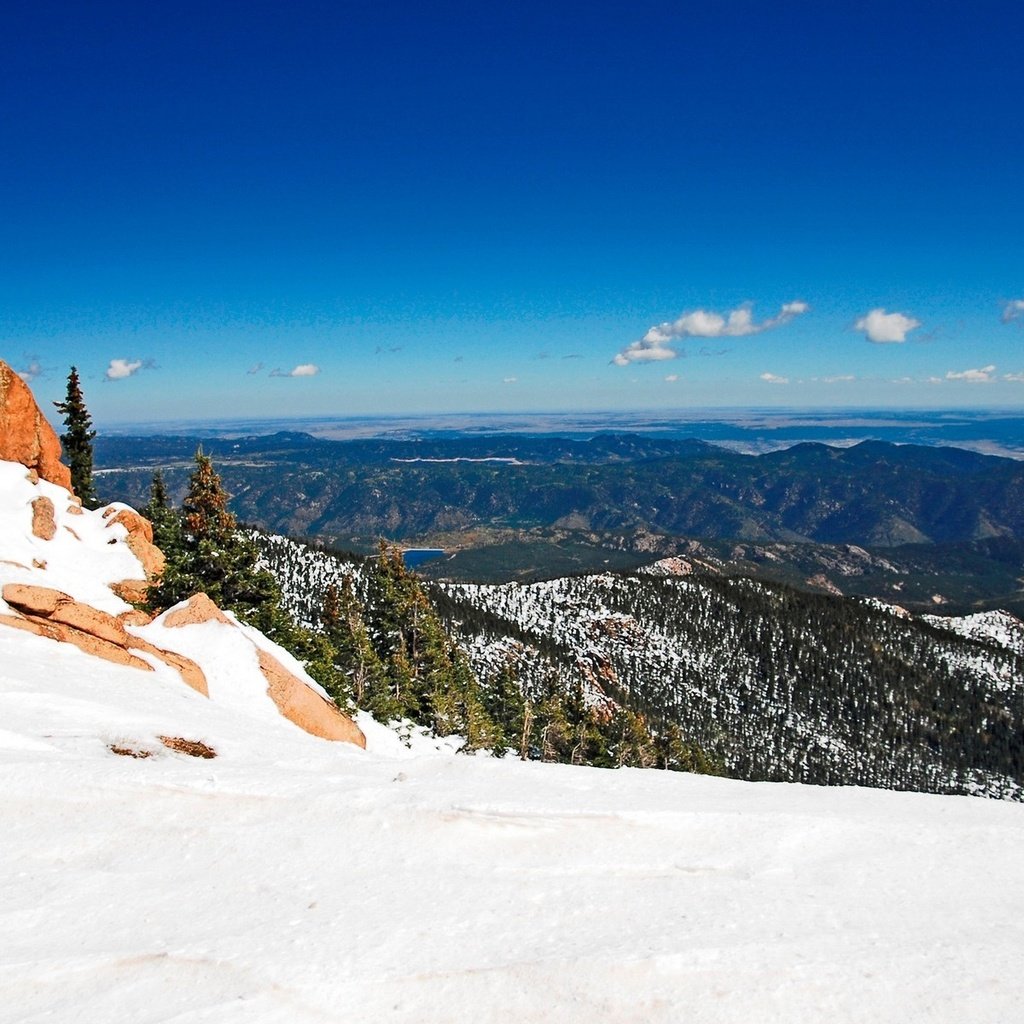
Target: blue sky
352 208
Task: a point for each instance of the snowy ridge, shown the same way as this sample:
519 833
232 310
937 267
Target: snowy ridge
781 686
997 627
87 554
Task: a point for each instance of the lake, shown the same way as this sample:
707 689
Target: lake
417 556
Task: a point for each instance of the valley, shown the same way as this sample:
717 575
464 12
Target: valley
934 528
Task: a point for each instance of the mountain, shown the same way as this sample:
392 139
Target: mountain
170 856
932 526
772 682
352 492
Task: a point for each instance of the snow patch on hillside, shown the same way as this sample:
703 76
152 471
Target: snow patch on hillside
996 627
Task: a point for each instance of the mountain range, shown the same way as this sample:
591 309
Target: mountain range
928 521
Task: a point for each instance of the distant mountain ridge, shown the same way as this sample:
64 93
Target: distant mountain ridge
349 493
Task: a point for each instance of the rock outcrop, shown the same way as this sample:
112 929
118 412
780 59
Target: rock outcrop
297 701
305 707
44 525
25 436
140 543
51 613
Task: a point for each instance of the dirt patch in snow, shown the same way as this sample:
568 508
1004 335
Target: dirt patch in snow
194 748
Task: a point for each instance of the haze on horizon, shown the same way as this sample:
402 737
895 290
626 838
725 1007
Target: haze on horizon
338 210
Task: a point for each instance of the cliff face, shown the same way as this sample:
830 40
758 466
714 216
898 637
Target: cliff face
67 575
25 436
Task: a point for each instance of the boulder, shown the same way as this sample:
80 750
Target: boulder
304 706
44 526
25 436
139 539
58 607
132 591
140 543
296 700
53 614
86 642
197 609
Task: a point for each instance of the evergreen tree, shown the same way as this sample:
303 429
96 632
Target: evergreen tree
342 622
215 558
427 678
166 521
77 440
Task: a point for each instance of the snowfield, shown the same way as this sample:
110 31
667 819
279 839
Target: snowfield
290 879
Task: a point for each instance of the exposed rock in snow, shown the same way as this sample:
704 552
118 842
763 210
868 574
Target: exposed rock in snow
67 584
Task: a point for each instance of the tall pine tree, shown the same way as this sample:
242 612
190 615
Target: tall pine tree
77 440
214 557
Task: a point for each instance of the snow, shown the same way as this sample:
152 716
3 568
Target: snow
85 555
998 627
291 879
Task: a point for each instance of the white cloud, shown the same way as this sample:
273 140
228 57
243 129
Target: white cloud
881 327
509 380
703 323
672 378
119 369
1013 310
1015 378
302 370
643 351
843 378
33 370
774 378
982 376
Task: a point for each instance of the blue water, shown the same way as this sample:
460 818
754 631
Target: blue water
417 556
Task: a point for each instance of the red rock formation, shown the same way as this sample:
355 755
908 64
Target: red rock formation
25 436
139 539
304 706
140 543
55 615
198 608
43 523
295 700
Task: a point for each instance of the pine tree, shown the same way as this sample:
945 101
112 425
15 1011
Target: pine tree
343 623
77 441
165 520
428 679
216 558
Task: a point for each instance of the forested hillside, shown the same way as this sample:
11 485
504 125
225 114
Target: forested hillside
349 493
764 680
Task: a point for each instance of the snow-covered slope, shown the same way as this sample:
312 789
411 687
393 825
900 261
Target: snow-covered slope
997 627
84 555
292 880
286 880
